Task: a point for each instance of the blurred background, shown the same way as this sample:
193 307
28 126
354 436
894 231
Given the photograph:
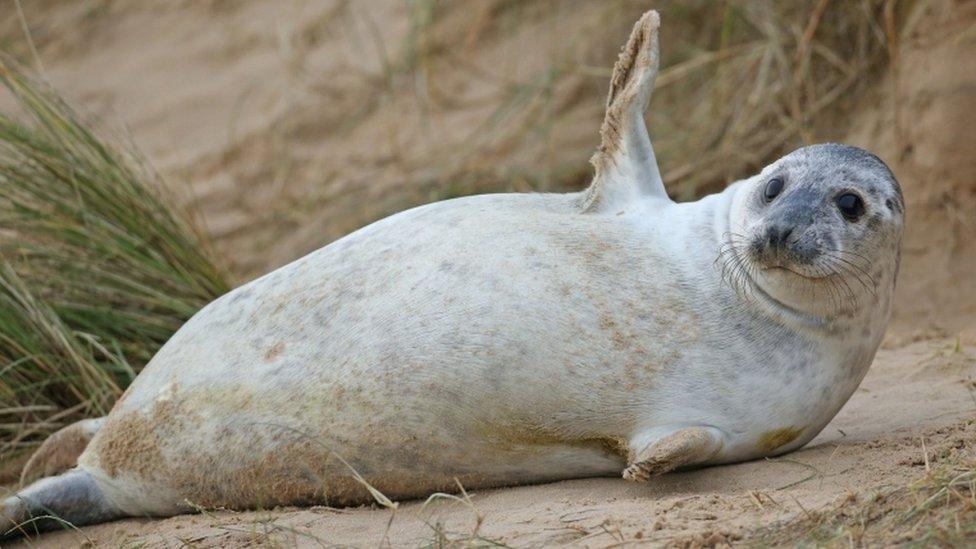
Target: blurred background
271 128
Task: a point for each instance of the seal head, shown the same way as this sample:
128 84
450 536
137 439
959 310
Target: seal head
818 231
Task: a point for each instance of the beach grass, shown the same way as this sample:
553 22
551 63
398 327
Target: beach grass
98 266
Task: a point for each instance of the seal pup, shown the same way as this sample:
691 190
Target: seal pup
506 339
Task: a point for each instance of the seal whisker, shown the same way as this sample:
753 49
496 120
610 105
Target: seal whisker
734 270
854 260
841 283
836 275
862 270
855 271
847 271
833 292
854 254
851 257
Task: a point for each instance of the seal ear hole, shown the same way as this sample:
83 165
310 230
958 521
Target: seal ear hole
851 206
773 188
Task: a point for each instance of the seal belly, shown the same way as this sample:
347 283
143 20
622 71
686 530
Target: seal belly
241 447
410 368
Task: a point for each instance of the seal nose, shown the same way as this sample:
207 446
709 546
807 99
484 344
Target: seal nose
777 235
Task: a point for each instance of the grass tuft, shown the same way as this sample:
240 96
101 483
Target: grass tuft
936 509
97 267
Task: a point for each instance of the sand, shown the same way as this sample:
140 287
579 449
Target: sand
282 155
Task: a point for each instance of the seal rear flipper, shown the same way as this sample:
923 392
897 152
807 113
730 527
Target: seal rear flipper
61 450
55 502
625 165
664 452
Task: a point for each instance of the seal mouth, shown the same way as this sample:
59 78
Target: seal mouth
783 259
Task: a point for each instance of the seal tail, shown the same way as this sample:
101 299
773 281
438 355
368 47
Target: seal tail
69 499
60 451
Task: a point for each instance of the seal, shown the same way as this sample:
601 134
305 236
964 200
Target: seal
505 339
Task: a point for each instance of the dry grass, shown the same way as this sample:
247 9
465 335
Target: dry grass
937 509
740 83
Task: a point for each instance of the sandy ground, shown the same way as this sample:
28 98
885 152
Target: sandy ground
252 103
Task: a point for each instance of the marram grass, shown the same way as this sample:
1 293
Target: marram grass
97 267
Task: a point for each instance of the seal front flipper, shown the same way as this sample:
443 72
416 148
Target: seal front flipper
681 447
625 165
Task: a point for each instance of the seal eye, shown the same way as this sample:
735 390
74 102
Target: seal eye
773 188
851 206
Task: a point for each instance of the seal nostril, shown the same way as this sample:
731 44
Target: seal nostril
776 236
784 234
